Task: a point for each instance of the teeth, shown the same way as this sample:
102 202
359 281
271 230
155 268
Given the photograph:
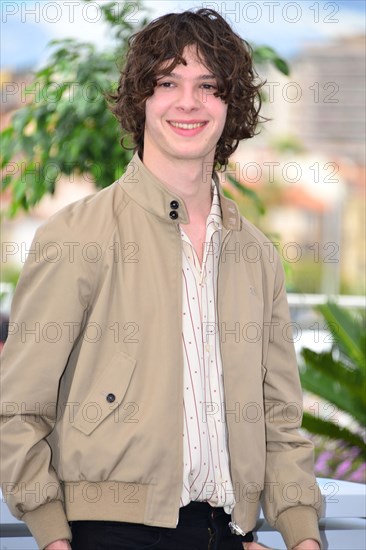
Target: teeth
187 126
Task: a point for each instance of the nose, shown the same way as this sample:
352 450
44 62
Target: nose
189 99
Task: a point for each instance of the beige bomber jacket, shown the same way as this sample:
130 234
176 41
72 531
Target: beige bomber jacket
92 371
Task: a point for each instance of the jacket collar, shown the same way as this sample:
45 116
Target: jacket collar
152 195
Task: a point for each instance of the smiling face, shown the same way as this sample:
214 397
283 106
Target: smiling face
184 119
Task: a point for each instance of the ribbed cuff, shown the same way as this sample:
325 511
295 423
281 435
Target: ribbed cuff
297 524
48 523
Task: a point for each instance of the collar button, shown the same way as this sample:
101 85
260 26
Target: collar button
174 205
173 214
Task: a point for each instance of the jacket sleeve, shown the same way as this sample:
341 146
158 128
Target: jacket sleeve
51 296
291 499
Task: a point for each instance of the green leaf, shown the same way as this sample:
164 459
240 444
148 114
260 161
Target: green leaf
348 376
266 54
5 181
346 331
319 379
250 193
228 194
329 429
282 66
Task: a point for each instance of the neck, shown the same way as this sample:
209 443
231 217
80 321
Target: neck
190 179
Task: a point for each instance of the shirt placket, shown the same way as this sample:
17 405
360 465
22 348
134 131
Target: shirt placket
210 480
211 390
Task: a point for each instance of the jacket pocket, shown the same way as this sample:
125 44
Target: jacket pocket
106 394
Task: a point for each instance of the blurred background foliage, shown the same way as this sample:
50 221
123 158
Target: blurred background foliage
338 378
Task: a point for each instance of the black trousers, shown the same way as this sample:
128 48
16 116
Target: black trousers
200 527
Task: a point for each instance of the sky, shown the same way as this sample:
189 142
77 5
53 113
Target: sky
28 26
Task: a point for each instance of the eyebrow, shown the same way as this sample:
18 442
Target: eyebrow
179 77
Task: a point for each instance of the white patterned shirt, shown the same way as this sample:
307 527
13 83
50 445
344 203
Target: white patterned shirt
205 451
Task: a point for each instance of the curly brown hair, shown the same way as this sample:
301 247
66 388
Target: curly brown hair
220 49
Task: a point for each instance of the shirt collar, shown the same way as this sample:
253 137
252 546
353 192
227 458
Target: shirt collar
215 214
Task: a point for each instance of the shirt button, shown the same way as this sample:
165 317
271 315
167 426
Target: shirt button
111 398
173 214
174 205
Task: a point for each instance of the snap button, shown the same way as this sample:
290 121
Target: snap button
173 214
174 205
111 397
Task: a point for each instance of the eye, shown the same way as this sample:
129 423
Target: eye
209 87
165 84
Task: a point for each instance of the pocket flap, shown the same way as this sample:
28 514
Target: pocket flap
106 394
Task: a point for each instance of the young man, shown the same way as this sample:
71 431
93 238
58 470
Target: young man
151 395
